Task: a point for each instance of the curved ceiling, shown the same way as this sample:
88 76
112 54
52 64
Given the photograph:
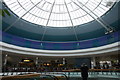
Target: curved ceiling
19 27
59 13
16 26
82 52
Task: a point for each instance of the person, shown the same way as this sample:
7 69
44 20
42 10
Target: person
84 71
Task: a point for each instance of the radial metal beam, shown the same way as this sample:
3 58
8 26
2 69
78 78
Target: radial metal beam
47 22
99 20
71 21
21 17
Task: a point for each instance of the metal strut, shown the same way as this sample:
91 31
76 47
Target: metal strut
21 17
71 21
47 23
108 28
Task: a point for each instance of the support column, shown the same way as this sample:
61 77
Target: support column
63 60
0 61
94 62
5 63
36 61
1 38
6 58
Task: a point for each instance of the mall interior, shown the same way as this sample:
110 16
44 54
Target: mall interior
51 39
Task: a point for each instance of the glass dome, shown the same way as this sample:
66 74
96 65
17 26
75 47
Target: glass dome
59 13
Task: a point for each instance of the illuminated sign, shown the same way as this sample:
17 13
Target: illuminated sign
26 60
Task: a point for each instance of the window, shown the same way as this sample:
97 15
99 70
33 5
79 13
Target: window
59 13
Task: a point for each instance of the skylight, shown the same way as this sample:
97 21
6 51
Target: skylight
59 13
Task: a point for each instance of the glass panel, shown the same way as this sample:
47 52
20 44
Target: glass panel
55 13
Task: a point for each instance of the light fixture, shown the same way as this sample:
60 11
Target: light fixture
110 31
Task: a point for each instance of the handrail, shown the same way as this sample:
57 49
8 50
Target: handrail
20 76
51 76
66 78
7 77
67 74
78 70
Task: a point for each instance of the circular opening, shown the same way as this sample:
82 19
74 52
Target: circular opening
59 13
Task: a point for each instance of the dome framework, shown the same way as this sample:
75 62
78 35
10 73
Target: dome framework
59 13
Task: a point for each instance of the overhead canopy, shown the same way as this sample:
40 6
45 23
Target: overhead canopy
22 35
18 26
59 13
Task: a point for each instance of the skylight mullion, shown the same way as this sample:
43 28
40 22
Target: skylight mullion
57 22
12 3
23 4
98 6
71 21
69 15
73 13
13 6
42 11
37 19
19 18
27 16
103 7
87 18
99 10
19 11
90 18
72 6
36 12
34 16
42 1
33 11
106 26
47 21
22 9
102 3
93 4
6 0
17 8
82 14
45 6
27 6
84 17
51 12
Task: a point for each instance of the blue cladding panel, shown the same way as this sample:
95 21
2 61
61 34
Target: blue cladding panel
108 39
